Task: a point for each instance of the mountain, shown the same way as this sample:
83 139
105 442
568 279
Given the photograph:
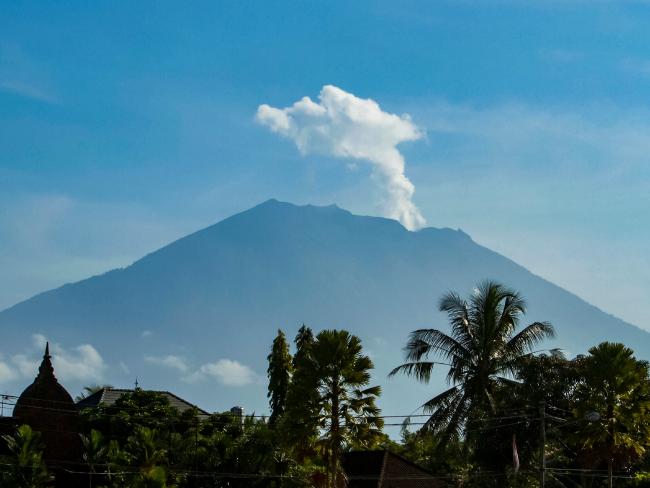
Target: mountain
222 293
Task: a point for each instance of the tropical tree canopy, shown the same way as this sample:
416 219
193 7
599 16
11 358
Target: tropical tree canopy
348 415
279 373
615 393
299 423
26 460
483 353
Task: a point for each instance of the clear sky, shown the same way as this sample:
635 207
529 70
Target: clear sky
125 125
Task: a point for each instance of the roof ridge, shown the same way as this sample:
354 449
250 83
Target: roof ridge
189 403
383 468
143 389
102 394
410 463
99 393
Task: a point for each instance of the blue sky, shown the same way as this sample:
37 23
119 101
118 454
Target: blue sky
126 125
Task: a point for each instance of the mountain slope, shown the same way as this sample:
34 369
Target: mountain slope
222 292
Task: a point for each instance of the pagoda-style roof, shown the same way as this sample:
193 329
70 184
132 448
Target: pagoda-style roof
48 408
44 394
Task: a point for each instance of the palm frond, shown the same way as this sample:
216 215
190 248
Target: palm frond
440 399
508 382
422 342
528 337
421 370
448 412
372 391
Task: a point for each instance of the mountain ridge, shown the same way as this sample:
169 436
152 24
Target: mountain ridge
271 201
223 291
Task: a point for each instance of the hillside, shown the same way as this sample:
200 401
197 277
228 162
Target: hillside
222 292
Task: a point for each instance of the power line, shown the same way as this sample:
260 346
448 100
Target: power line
77 410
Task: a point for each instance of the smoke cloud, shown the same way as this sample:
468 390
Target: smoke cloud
345 126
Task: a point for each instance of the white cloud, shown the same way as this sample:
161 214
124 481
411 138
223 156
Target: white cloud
39 341
27 366
146 333
226 371
7 373
170 361
81 363
345 126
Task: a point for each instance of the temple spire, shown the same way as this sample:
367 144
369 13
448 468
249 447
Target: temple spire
46 369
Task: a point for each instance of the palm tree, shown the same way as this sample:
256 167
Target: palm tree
347 413
95 452
482 352
29 469
146 450
615 386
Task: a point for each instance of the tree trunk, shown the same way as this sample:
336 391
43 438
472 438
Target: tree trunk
334 435
612 445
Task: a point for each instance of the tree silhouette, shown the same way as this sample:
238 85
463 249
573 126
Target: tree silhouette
483 353
27 468
614 386
279 373
347 413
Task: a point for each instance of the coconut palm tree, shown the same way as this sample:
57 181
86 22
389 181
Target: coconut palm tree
483 352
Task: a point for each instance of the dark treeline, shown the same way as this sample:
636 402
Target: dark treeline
579 422
511 415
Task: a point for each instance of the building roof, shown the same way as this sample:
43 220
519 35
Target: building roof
384 469
108 396
48 408
44 392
